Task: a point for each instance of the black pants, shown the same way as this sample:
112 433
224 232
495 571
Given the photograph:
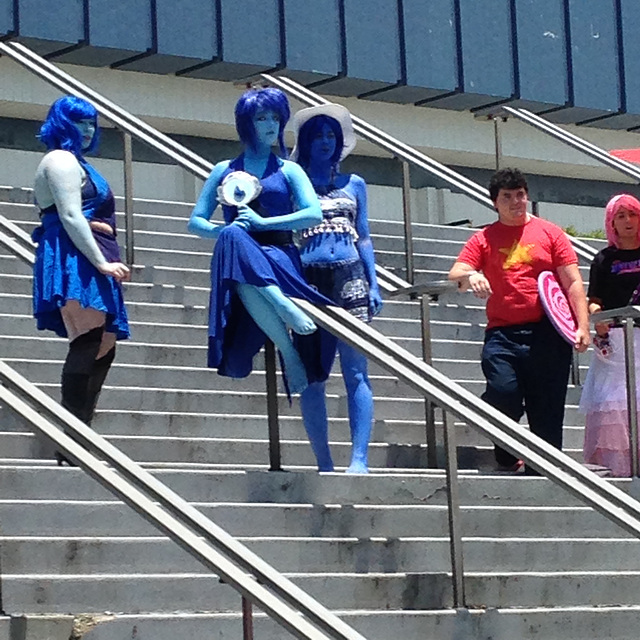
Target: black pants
527 369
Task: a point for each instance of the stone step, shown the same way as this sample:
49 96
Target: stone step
177 355
29 482
112 518
444 341
568 623
218 451
90 555
408 592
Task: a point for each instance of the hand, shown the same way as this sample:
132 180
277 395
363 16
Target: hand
117 270
375 302
479 285
602 328
583 340
249 220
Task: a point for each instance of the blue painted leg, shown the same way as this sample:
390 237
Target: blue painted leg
296 319
314 415
269 321
360 403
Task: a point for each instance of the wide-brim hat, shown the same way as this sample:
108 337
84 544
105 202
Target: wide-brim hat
337 112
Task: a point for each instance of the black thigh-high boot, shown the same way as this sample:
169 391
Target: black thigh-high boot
100 370
76 374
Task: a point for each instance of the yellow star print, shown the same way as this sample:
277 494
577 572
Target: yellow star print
517 254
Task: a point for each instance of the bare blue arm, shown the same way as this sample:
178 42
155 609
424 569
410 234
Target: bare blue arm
307 214
364 244
199 222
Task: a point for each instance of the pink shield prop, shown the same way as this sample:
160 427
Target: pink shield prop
555 303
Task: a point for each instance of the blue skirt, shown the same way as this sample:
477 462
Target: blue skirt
61 273
234 337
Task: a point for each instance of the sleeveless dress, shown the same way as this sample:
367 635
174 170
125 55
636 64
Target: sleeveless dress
62 272
343 281
257 258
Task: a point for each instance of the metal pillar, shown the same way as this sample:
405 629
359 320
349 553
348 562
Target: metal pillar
453 502
497 134
632 404
406 210
429 407
275 463
247 620
128 197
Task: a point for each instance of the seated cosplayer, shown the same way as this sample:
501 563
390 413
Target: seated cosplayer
255 266
338 259
77 272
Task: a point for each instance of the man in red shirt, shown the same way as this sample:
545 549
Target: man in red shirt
525 361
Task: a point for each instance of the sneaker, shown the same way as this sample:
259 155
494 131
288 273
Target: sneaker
516 467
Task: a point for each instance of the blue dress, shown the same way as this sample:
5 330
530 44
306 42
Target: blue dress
62 272
257 258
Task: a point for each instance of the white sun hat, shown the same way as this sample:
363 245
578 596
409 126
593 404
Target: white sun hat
337 112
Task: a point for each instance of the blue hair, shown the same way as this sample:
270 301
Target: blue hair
58 130
254 100
308 132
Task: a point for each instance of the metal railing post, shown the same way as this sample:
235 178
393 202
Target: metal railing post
453 503
575 369
632 404
275 462
429 408
128 197
247 620
497 134
406 211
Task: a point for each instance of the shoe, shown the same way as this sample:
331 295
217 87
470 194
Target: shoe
516 467
62 460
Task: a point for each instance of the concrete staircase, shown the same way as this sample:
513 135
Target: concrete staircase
373 548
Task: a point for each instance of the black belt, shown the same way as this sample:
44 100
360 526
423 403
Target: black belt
272 237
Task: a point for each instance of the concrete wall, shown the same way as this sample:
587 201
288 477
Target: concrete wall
575 56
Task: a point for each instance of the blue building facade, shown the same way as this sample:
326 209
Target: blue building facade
575 60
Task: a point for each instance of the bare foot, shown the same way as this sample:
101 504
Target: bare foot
296 376
297 320
357 467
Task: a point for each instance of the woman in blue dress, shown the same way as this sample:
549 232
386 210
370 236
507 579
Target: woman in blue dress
255 266
77 272
338 259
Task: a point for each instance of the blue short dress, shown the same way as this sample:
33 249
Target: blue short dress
62 272
257 258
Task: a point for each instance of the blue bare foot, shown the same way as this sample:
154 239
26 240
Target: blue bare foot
357 467
296 377
297 320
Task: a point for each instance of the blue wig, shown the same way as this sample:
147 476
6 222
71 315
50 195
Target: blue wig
308 132
254 100
58 130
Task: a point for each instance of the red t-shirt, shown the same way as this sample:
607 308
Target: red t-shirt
512 258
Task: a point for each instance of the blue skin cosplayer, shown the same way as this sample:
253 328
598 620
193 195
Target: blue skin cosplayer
254 260
77 272
342 239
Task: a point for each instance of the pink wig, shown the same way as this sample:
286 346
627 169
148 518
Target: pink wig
622 201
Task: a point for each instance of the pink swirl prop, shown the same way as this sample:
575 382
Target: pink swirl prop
556 306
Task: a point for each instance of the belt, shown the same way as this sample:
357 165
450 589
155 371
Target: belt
272 237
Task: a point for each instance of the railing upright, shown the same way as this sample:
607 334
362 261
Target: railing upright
128 198
406 215
453 512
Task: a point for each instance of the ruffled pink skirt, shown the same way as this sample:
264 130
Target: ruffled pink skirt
604 401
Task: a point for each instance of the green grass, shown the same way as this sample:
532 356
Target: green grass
596 233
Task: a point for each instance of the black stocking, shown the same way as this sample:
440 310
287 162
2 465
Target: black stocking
76 375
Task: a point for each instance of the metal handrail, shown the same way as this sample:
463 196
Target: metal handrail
616 505
437 388
409 156
574 141
276 595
